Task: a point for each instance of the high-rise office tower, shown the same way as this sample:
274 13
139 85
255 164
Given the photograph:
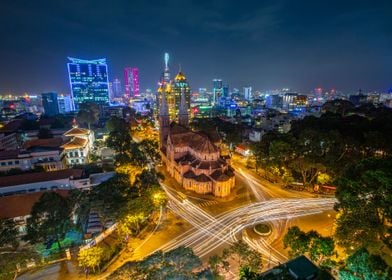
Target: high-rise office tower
217 90
117 92
248 93
225 91
65 104
49 102
179 84
89 81
131 82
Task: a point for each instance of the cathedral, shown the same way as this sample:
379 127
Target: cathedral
193 158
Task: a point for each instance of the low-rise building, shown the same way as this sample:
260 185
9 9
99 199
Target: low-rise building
18 207
78 148
45 153
42 181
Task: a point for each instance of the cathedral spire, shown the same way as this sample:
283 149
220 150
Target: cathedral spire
164 121
163 110
183 117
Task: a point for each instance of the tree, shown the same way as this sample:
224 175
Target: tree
88 113
363 265
120 140
247 274
50 219
240 253
112 196
91 257
320 249
8 233
338 106
365 203
297 240
179 263
151 149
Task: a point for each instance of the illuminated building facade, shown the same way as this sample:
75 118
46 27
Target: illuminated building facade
131 82
173 89
65 103
193 158
88 81
166 72
248 93
217 90
179 84
117 92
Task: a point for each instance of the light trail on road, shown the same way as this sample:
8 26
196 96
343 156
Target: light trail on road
210 232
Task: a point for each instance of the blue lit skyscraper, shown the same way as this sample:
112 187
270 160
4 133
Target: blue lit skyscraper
217 90
89 81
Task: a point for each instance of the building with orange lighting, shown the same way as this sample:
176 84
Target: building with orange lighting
193 158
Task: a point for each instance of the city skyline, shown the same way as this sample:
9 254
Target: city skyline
265 45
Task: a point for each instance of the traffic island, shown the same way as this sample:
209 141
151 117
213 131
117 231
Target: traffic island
262 229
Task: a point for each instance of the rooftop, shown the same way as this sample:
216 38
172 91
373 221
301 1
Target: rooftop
47 143
75 143
21 204
75 131
36 177
9 154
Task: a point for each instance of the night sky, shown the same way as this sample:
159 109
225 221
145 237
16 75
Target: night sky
267 44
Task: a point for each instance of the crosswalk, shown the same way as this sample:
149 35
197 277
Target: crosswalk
215 202
207 203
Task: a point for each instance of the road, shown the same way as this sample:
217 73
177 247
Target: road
210 232
226 222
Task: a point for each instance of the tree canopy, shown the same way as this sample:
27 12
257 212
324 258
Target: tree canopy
364 194
50 219
317 247
179 263
8 233
88 113
120 140
327 144
363 265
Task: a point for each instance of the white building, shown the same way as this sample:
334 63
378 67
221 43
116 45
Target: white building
77 150
248 93
65 104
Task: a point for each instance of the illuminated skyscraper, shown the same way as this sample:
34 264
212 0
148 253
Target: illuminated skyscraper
174 94
65 103
88 81
117 92
248 93
131 82
217 90
166 72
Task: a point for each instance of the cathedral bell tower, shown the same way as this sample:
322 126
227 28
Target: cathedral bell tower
183 118
164 121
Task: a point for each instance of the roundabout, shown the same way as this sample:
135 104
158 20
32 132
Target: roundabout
262 229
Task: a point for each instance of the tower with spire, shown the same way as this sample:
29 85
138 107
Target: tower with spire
164 121
183 118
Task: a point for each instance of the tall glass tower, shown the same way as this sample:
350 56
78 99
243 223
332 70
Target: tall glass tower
131 82
89 81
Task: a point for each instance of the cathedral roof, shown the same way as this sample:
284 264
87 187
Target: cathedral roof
189 174
181 136
220 176
202 178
